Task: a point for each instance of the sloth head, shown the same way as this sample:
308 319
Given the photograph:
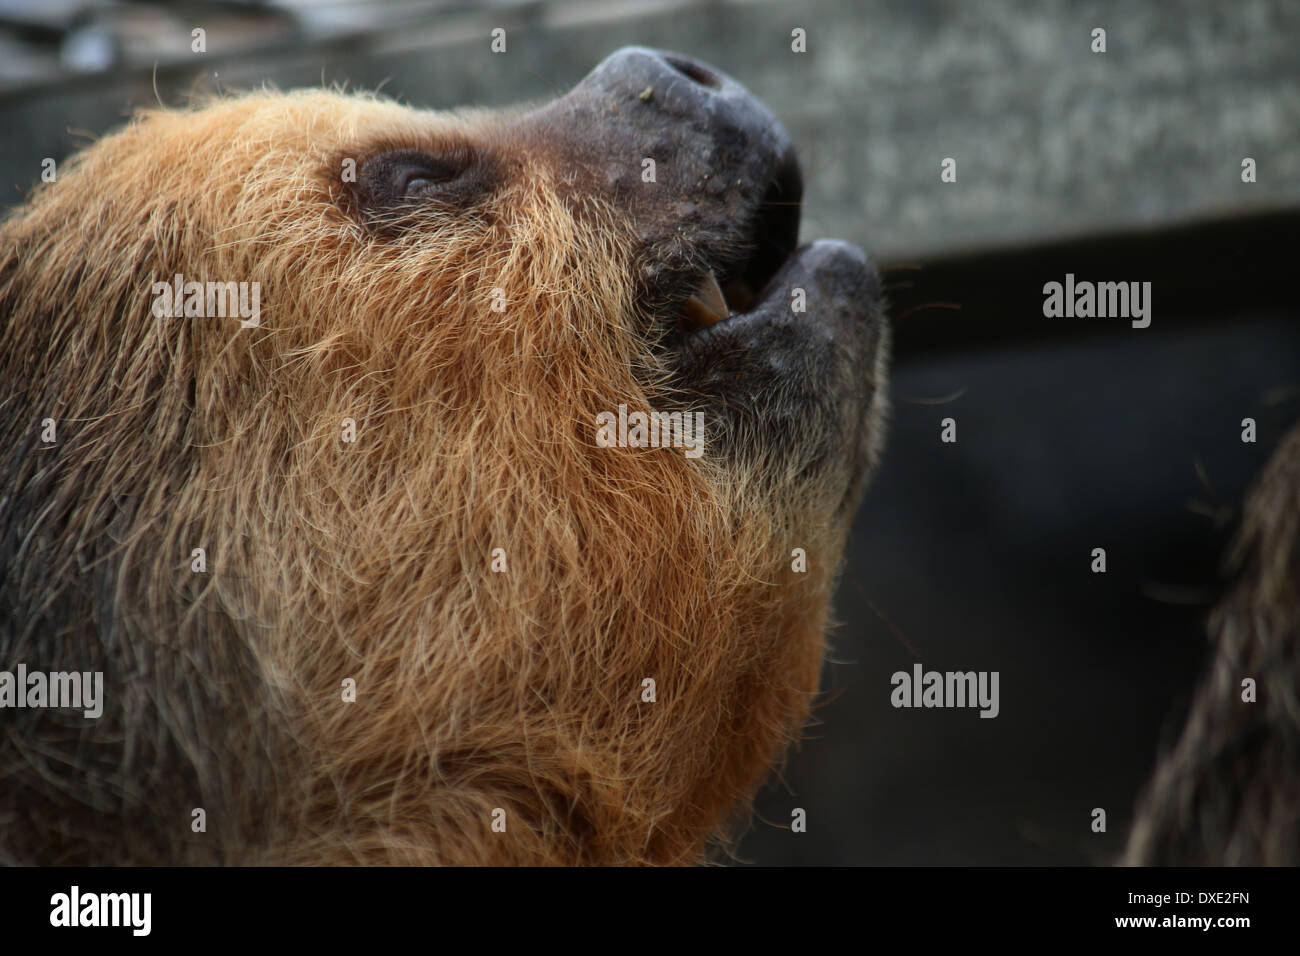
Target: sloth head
539 429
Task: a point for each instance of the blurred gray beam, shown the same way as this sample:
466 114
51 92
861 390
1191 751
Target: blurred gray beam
1051 140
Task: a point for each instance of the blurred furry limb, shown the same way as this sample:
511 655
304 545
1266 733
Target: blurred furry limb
1229 792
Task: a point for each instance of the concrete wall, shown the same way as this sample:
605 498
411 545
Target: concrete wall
1051 139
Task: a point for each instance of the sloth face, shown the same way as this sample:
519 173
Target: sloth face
782 347
784 344
397 477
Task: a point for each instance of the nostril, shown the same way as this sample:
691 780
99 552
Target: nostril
697 72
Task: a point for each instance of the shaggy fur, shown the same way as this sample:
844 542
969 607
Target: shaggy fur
1229 792
327 560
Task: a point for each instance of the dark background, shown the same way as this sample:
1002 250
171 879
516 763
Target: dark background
1072 433
977 555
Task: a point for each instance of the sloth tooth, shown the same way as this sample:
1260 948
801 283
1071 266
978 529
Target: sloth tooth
706 306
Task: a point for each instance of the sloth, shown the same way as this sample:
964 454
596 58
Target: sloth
470 488
1228 792
361 581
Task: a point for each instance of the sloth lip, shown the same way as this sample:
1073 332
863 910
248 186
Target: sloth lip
836 277
737 284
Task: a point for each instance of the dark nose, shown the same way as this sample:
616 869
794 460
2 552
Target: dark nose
679 80
715 145
671 98
693 70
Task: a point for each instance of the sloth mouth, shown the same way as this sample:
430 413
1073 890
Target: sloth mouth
734 284
780 347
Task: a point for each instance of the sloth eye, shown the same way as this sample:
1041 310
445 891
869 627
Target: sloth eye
401 182
418 181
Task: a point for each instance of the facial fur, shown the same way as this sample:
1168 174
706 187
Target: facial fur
476 689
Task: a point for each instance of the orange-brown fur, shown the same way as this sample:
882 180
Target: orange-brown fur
327 560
